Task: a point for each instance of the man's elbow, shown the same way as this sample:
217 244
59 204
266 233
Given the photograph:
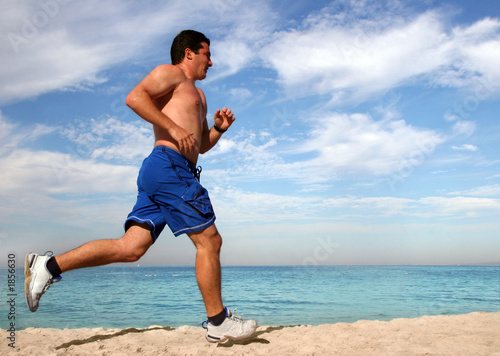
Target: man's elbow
136 97
205 147
131 99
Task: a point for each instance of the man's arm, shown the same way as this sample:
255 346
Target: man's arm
223 119
161 81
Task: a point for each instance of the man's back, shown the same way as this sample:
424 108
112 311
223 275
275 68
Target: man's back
171 90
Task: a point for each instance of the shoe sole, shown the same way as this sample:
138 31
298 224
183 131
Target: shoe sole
27 281
213 340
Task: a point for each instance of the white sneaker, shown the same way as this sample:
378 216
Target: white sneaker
233 327
37 278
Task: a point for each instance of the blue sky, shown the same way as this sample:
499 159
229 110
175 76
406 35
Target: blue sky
367 132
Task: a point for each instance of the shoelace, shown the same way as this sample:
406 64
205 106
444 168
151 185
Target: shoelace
47 285
234 316
52 280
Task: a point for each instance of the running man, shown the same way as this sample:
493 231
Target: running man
169 189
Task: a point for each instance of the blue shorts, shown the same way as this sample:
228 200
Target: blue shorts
170 194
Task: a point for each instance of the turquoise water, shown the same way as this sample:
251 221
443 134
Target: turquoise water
119 297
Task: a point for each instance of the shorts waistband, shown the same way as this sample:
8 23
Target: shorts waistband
192 167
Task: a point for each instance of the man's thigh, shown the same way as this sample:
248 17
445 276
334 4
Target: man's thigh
138 237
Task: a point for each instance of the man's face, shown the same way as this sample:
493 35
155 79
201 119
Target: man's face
202 61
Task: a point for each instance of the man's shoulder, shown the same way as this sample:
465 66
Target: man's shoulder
169 70
202 94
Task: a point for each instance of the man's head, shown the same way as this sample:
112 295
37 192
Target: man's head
186 39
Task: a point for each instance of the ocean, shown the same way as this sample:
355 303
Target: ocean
141 296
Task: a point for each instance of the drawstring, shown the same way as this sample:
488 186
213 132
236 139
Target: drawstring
197 173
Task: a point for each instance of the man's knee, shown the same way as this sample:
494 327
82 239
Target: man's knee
130 254
216 241
207 239
212 240
135 242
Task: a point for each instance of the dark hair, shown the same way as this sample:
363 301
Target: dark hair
186 39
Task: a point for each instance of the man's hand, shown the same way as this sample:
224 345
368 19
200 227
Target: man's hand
224 118
185 139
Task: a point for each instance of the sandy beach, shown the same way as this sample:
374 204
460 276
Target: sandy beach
471 334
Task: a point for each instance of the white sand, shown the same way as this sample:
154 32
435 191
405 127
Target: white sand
472 335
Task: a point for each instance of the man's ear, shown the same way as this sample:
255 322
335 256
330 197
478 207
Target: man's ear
188 54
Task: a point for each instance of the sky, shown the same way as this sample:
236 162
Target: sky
366 132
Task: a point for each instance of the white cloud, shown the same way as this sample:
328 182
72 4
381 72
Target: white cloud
484 191
61 45
465 147
108 138
338 146
450 117
358 59
223 146
12 137
479 46
386 206
246 27
466 128
357 145
235 206
241 93
247 156
230 57
459 206
45 193
26 172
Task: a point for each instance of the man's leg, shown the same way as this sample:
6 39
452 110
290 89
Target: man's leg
132 246
208 274
37 269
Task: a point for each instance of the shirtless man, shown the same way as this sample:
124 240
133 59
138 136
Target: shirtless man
169 189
